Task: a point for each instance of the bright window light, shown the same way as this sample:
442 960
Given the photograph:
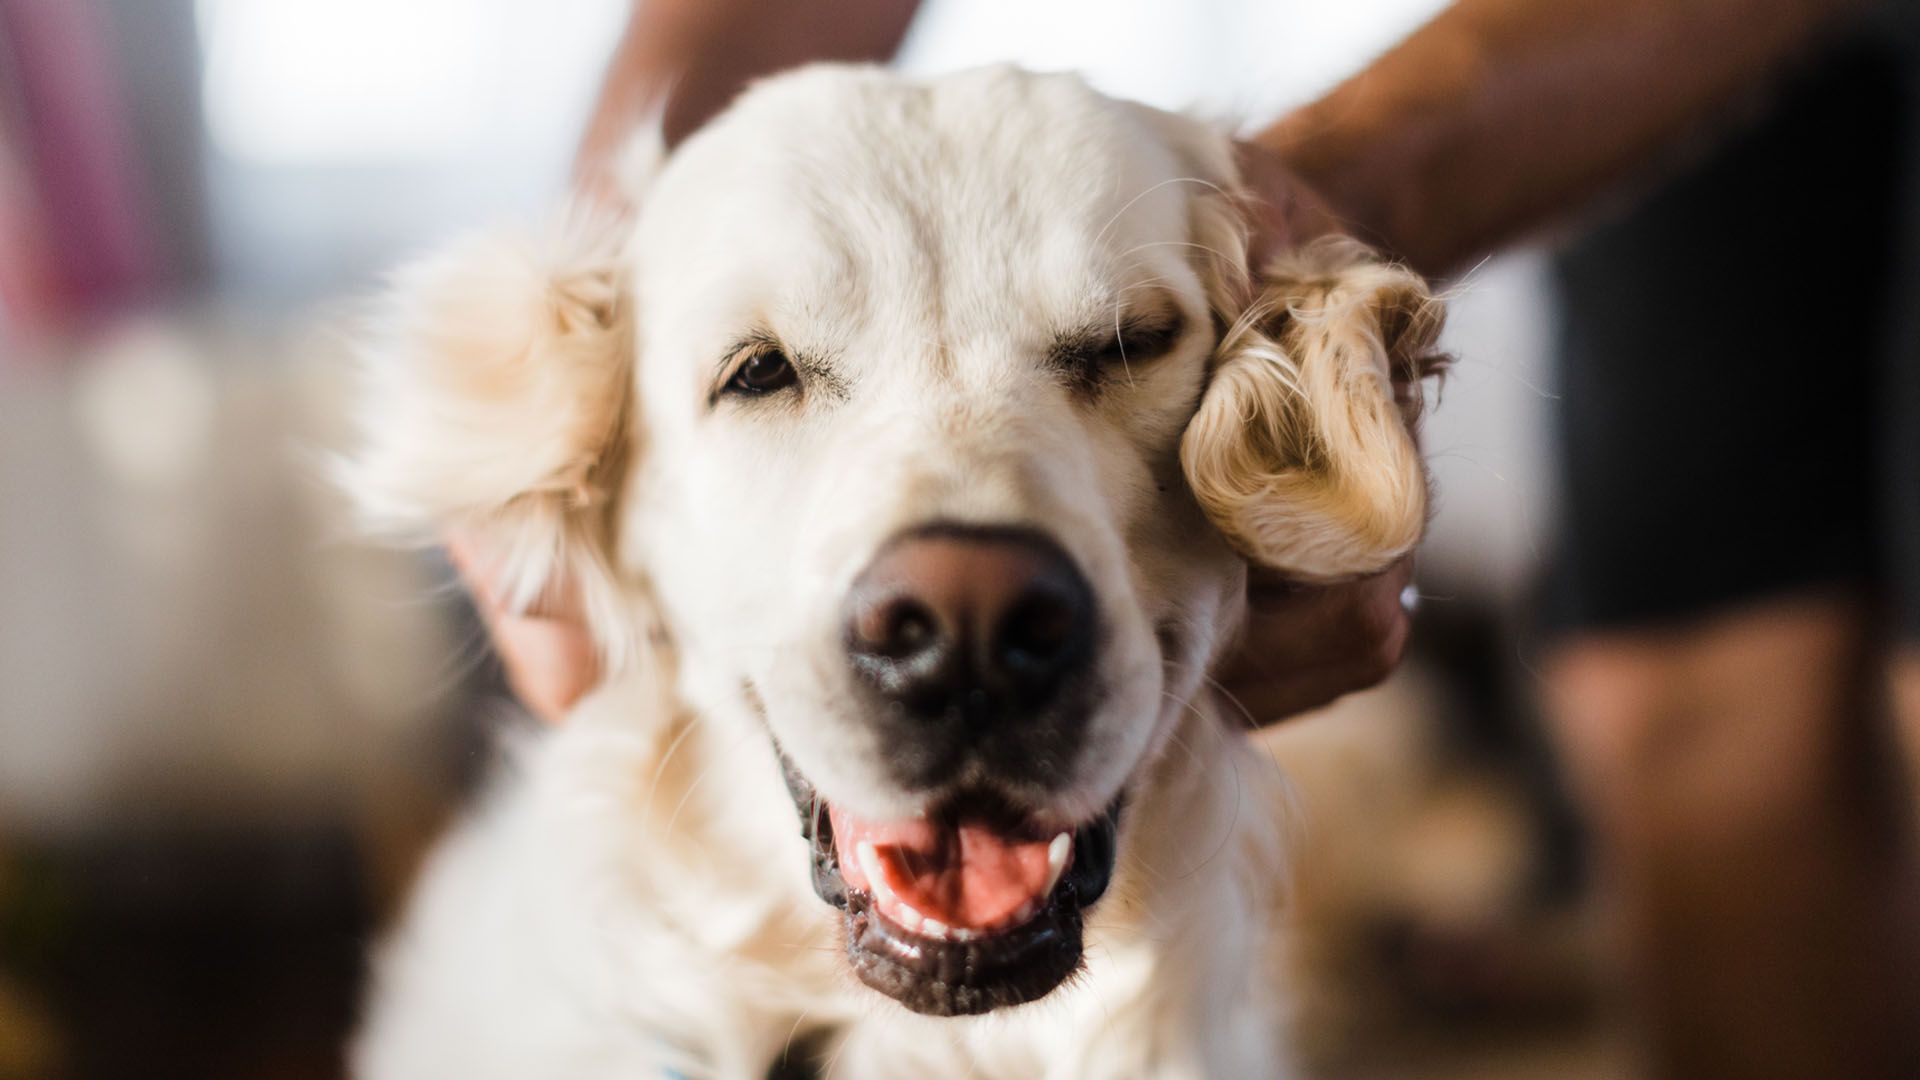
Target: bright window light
338 81
1230 59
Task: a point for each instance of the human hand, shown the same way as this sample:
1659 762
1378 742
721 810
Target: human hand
1282 210
1304 646
547 652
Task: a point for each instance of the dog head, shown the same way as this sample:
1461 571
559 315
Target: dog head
938 423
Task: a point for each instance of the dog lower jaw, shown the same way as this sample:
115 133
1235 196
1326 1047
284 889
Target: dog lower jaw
1008 966
964 974
964 978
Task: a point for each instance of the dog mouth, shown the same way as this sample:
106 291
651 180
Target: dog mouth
969 907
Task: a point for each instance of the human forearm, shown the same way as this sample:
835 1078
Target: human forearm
1501 116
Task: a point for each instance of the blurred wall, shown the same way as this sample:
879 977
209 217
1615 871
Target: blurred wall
342 134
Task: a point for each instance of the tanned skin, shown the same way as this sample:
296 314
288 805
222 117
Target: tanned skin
1503 117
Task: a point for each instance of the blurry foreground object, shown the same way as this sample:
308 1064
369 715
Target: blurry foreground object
220 726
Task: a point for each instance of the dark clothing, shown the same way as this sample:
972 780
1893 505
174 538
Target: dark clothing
1739 404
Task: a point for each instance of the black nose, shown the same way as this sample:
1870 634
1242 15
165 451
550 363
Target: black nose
970 623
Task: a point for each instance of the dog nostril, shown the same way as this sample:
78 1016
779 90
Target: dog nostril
972 625
910 629
1039 633
897 629
1045 635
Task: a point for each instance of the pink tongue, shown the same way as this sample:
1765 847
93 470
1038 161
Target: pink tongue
964 873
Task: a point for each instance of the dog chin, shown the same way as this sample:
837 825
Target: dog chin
968 907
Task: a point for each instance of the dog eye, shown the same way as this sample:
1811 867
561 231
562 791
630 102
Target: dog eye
1086 358
1116 352
763 373
1140 342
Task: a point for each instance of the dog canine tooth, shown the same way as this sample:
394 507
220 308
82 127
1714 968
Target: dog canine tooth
1057 852
876 875
934 928
1027 911
907 917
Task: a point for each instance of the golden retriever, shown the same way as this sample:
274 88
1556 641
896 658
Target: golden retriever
910 445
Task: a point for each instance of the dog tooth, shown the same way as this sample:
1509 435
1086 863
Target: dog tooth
1057 852
961 933
876 875
907 917
934 928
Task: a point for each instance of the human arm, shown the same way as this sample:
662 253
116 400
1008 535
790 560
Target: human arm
1493 121
1501 117
704 51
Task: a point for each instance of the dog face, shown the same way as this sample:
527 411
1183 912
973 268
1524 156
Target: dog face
912 487
937 421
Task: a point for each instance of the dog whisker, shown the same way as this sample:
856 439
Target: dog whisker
1223 256
1280 773
1233 761
700 778
660 766
786 1050
1120 213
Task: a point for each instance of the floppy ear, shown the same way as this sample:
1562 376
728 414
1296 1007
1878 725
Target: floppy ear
1299 452
494 400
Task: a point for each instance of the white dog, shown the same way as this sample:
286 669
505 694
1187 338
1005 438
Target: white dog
909 448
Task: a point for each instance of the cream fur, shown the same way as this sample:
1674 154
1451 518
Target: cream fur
1299 452
633 897
494 399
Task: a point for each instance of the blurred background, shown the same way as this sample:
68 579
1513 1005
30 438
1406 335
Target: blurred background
226 729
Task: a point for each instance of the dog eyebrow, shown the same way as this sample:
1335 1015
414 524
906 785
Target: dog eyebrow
1147 330
750 342
1084 354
